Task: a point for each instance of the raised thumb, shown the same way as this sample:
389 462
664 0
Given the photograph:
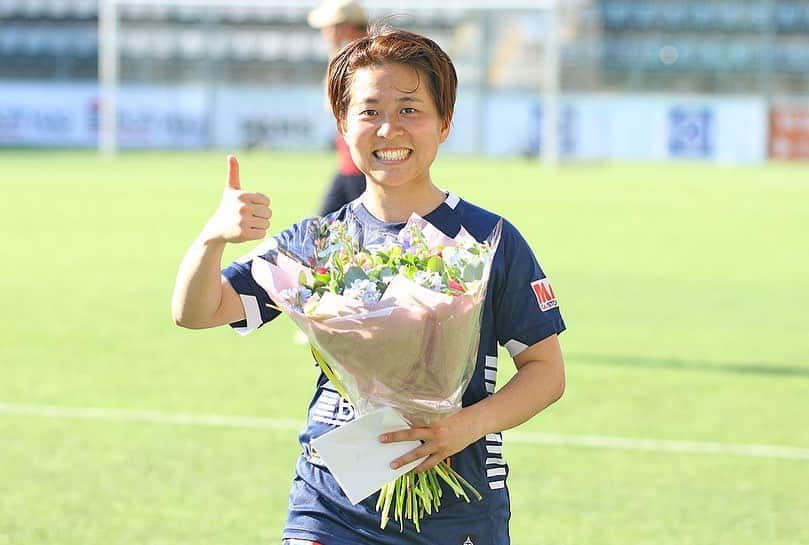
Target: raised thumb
233 173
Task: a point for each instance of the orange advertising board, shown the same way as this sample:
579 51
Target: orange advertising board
789 132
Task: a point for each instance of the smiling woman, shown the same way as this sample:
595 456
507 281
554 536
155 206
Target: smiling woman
393 129
393 95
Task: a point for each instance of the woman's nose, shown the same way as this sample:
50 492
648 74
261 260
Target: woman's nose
389 127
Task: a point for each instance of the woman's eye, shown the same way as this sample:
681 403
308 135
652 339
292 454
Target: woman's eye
368 113
408 110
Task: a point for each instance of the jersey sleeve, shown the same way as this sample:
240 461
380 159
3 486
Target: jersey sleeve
258 307
525 306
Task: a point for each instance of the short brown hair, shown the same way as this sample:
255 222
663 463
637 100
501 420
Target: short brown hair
392 45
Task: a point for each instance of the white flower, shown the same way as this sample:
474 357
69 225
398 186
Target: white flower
363 290
457 257
297 296
429 280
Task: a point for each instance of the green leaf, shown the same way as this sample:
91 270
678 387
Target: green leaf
435 264
354 273
472 272
386 272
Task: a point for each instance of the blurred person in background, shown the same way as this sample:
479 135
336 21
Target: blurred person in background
341 22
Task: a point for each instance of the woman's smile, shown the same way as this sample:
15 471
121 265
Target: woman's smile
393 155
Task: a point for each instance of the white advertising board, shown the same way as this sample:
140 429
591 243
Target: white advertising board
633 127
163 117
66 115
591 127
274 118
46 115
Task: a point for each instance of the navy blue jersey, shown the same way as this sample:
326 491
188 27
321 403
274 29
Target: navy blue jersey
520 310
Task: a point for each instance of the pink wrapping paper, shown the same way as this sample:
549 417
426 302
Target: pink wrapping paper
414 350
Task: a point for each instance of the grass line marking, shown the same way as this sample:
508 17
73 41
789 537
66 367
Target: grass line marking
660 445
152 417
519 437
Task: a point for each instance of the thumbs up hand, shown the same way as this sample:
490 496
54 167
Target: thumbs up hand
241 215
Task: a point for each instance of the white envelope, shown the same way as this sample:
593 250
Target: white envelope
356 458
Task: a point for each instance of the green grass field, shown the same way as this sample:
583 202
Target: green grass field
685 289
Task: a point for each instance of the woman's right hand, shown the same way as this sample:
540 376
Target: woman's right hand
241 215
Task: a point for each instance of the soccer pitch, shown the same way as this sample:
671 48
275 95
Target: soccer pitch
685 289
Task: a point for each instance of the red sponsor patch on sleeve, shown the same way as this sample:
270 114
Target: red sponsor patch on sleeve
544 294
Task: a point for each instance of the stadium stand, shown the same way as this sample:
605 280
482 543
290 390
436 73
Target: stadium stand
609 41
705 40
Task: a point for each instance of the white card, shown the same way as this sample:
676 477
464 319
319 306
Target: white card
356 458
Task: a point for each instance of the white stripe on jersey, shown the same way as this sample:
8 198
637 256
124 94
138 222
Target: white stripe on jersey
494 460
514 347
490 373
251 312
330 395
330 421
323 412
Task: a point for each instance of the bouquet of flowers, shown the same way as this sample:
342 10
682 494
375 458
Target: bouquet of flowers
392 325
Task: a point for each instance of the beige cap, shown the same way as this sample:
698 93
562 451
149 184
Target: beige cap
334 12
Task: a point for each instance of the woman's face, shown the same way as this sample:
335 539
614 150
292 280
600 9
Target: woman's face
392 125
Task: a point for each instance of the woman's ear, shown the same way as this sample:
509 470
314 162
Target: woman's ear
446 125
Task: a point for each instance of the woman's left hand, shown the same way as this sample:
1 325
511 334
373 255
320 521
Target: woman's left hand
441 439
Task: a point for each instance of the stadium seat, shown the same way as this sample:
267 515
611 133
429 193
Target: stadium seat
8 40
703 16
788 17
83 42
296 46
162 45
805 17
270 47
621 53
243 45
741 56
56 9
238 14
710 56
759 16
188 13
731 17
644 16
673 15
217 45
135 11
616 14
191 44
649 50
134 42
793 58
33 9
29 42
84 9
